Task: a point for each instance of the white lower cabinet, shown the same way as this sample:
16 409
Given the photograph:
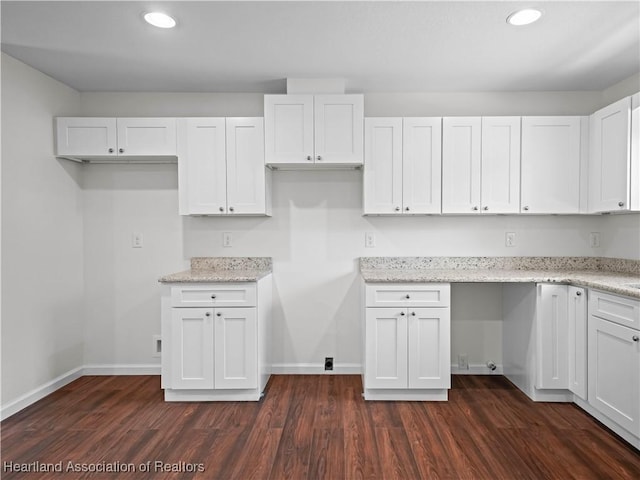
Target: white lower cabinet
218 349
614 359
407 348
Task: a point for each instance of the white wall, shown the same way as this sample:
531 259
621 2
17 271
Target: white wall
42 237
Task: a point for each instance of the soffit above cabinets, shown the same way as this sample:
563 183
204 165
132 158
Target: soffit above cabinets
222 46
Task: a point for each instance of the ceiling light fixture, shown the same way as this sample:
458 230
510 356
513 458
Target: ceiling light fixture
159 19
524 17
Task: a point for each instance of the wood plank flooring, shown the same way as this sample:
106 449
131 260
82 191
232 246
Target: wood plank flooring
311 427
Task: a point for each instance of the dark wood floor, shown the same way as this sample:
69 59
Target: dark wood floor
313 427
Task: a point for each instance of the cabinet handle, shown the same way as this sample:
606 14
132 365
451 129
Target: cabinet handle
207 314
578 294
309 157
402 314
218 314
475 209
121 150
635 338
111 150
621 204
318 157
397 209
406 209
526 209
485 208
231 209
408 296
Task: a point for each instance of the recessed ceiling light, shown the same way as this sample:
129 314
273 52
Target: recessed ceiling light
160 20
524 17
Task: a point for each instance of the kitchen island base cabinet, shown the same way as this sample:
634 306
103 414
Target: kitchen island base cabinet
215 341
407 344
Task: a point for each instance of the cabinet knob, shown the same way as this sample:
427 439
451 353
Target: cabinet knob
121 150
213 297
318 157
309 157
111 150
397 209
635 338
231 209
578 294
406 209
475 209
413 314
621 204
526 209
402 314
408 296
485 208
207 314
218 314
221 209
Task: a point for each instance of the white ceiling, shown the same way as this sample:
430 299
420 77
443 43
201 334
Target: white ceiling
394 46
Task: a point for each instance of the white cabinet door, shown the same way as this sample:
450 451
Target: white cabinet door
246 182
80 136
338 127
421 165
610 156
386 348
288 121
192 348
614 372
577 316
461 138
147 136
500 185
429 340
382 175
236 348
203 153
551 165
635 153
552 337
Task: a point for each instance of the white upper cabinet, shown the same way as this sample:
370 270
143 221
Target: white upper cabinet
552 169
402 165
309 130
481 165
221 166
611 167
89 138
500 175
421 165
461 137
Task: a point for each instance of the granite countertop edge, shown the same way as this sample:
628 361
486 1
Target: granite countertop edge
216 276
612 282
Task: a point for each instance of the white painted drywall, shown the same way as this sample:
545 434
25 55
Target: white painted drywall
42 235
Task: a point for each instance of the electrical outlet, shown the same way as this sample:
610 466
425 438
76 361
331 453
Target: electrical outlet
463 361
328 363
137 240
510 239
227 239
594 239
369 240
157 346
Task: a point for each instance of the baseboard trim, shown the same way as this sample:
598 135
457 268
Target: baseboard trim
122 369
57 383
479 369
315 369
39 393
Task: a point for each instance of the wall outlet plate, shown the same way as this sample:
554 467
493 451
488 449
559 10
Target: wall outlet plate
463 361
510 239
594 239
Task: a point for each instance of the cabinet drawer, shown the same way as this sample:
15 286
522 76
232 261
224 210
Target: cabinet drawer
621 310
407 295
230 295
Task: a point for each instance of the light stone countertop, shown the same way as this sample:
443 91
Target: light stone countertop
495 270
222 270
